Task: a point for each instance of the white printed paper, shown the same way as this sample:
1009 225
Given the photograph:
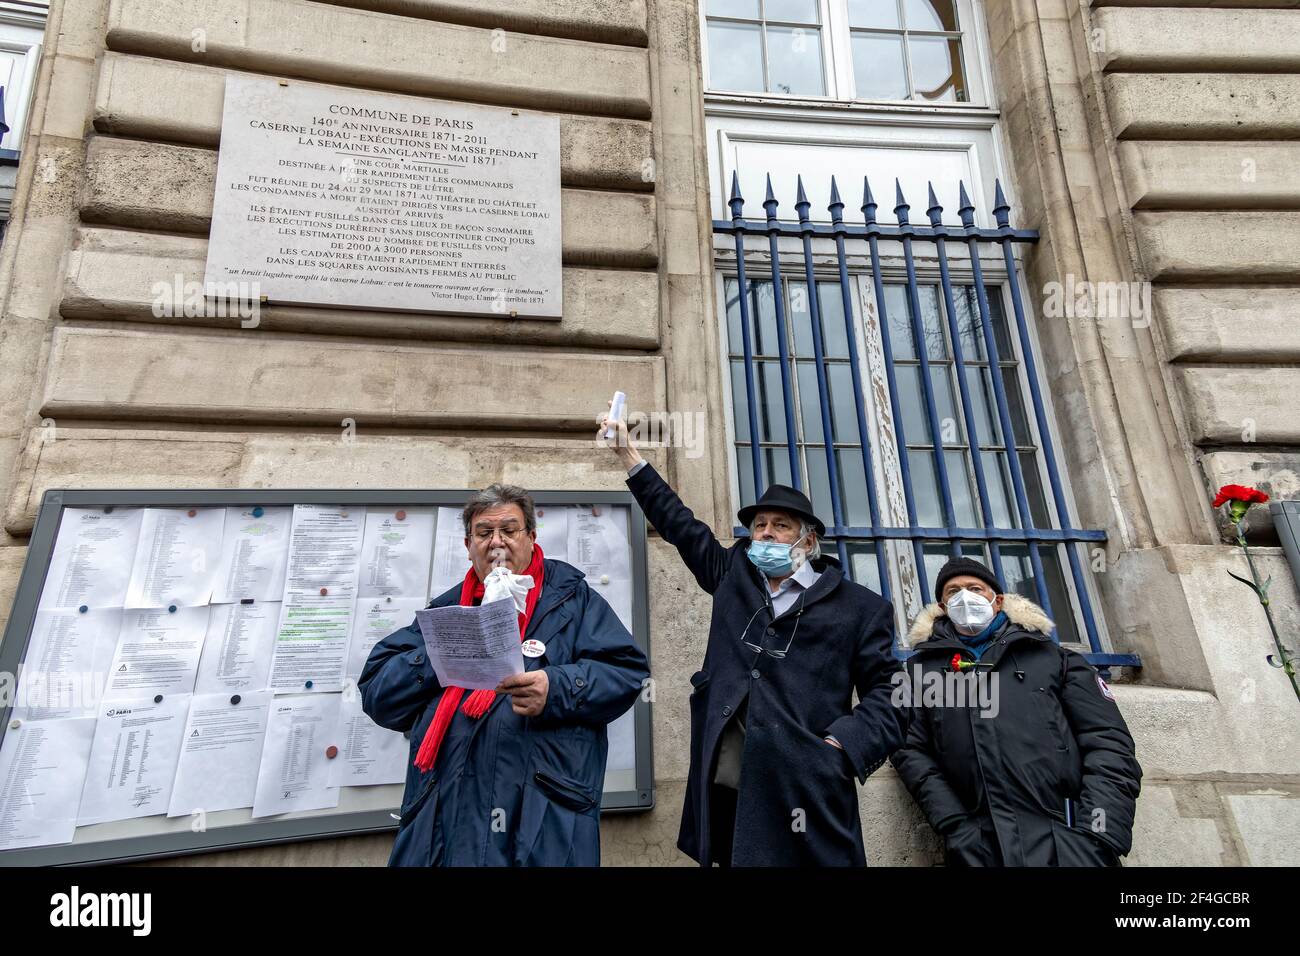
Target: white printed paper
311 644
177 557
133 759
42 769
553 531
325 550
237 650
221 753
254 555
598 543
92 558
374 620
397 552
294 770
473 647
450 558
368 754
157 652
66 667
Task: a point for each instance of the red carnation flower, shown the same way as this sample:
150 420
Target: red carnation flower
1243 493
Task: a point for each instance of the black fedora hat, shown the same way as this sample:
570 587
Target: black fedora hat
783 498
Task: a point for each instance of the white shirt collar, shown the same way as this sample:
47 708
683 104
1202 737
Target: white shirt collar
805 577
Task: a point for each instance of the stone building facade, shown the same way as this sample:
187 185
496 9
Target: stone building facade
1139 151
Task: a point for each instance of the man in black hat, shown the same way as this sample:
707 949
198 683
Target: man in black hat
775 738
1016 751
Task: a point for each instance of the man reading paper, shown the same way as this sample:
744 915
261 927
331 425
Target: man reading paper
493 783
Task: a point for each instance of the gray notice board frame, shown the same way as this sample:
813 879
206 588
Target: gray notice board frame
270 831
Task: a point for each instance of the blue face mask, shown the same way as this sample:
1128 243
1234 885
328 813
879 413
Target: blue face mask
771 557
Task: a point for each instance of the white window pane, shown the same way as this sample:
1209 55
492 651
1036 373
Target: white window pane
792 11
794 60
746 9
878 14
936 68
735 57
933 15
878 67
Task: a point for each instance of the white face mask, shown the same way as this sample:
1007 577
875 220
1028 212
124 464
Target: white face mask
970 612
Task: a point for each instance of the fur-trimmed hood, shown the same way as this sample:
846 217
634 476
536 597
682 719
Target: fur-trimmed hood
1019 610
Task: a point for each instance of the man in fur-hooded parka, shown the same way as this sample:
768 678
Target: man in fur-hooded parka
1016 751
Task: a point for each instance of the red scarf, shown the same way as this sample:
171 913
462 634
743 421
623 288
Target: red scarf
479 702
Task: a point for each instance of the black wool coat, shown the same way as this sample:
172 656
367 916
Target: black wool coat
797 803
1038 770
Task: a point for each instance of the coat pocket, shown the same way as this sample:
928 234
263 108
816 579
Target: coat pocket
554 810
1075 847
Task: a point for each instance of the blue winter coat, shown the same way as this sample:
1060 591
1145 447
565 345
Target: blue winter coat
509 790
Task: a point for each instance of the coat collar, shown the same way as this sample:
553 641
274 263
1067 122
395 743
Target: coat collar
1020 611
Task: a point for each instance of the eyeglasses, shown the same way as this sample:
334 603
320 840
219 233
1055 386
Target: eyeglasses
770 651
507 532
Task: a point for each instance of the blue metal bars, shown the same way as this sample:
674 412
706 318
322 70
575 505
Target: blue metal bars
943 350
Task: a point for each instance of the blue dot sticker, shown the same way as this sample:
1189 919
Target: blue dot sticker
308 685
83 609
258 512
171 608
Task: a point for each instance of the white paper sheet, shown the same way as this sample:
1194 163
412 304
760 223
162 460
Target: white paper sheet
450 559
618 593
67 661
42 769
311 644
157 652
374 620
294 771
325 550
598 544
368 754
177 557
92 558
472 647
254 555
553 531
221 753
238 648
133 758
397 552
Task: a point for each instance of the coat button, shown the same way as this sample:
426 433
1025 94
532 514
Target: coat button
754 673
771 632
419 678
579 682
418 659
726 711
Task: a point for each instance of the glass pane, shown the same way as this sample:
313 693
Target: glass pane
830 301
740 399
776 467
776 470
1034 491
794 60
936 15
900 326
936 343
819 486
1002 502
810 408
731 294
960 485
1001 334
911 402
735 57
1016 405
854 504
1018 578
925 488
771 401
799 318
936 68
983 405
881 14
763 312
792 11
863 567
969 329
952 431
745 473
733 8
878 66
844 408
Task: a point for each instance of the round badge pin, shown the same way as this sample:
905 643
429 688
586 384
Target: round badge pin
534 648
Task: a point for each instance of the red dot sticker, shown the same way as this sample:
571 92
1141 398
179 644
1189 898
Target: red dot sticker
331 751
324 591
192 512
400 516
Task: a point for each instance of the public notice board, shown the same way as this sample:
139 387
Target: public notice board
337 197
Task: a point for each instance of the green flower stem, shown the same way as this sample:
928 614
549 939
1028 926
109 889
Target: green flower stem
1287 664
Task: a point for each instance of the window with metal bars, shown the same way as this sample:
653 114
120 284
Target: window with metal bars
903 400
